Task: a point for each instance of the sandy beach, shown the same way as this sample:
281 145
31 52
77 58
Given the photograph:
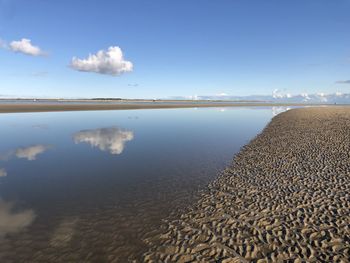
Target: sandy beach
79 106
284 198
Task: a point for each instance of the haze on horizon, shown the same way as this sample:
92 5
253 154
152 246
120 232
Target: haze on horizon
160 49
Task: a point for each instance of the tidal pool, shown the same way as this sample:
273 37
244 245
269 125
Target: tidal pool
94 186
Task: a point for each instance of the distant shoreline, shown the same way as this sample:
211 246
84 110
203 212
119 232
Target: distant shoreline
79 105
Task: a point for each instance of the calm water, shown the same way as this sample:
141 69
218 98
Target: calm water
93 186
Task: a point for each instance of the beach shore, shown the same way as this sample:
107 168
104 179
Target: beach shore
78 106
284 198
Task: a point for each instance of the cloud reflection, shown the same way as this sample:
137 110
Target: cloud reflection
11 220
106 139
3 172
279 109
30 153
6 156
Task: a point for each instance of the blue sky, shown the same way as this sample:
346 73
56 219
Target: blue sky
182 47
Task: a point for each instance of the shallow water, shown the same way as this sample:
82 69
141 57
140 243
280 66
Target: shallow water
93 186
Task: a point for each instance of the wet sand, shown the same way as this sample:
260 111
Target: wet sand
78 106
285 198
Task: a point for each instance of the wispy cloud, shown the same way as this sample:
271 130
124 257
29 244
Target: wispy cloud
40 74
26 47
106 139
343 82
110 62
3 43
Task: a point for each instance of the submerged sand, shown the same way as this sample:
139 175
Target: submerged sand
285 198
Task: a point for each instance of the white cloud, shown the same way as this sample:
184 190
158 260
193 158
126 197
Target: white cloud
3 172
30 153
306 96
11 220
106 139
278 94
25 46
110 62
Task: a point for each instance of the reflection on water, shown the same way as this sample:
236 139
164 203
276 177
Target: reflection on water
13 220
3 172
279 109
30 153
39 126
106 139
77 205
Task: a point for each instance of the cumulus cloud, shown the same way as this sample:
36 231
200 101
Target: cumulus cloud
343 82
12 220
26 47
322 97
110 62
30 153
305 96
3 172
338 94
279 94
106 139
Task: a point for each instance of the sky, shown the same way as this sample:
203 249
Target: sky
163 48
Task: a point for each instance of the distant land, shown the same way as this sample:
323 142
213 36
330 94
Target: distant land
46 105
275 97
278 97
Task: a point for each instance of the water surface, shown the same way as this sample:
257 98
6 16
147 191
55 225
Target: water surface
94 186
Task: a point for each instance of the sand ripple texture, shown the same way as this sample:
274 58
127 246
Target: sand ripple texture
285 198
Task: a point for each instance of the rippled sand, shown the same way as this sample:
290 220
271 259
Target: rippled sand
105 227
286 197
